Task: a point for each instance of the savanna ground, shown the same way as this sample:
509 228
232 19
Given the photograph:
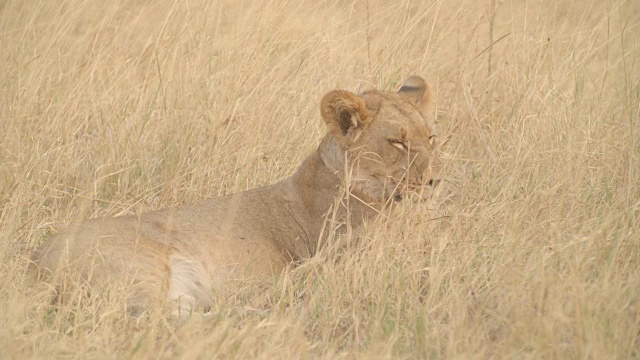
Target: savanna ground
533 251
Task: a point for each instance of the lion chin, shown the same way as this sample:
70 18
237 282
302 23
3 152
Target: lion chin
180 256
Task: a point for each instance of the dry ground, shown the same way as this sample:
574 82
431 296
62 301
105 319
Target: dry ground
116 107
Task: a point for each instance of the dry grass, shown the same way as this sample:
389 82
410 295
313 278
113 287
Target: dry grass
115 107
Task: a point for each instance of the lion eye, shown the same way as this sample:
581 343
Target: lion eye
400 145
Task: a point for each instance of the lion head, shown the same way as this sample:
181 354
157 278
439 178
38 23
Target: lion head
386 141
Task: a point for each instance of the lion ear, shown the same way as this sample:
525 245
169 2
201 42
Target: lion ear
345 114
416 90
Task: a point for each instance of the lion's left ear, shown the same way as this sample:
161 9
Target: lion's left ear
416 90
345 114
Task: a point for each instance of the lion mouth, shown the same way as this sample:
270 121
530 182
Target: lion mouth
416 194
398 191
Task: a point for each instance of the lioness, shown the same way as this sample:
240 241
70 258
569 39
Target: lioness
379 146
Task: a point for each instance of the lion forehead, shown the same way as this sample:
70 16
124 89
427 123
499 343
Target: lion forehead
394 113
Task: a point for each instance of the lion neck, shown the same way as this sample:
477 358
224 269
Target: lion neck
318 187
333 156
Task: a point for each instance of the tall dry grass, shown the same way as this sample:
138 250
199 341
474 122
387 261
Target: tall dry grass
117 107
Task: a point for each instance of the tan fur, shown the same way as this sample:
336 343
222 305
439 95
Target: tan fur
184 255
